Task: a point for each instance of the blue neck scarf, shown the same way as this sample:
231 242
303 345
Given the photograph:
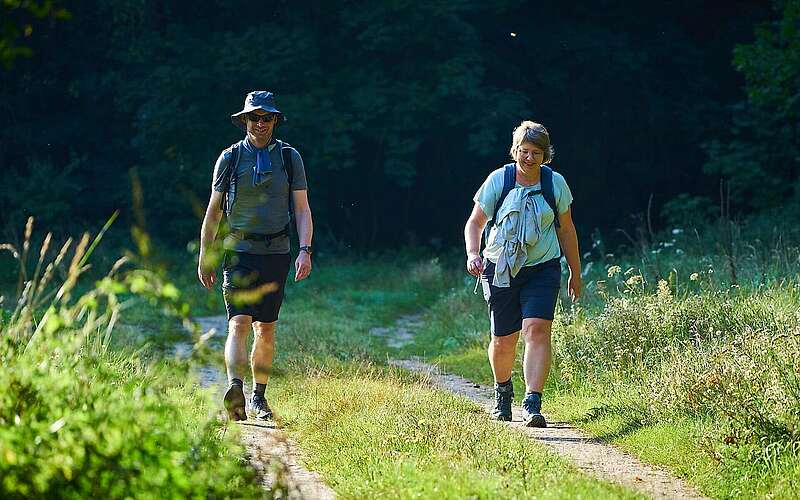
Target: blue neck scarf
262 171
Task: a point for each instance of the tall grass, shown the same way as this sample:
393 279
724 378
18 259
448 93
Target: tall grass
720 344
730 355
44 306
78 419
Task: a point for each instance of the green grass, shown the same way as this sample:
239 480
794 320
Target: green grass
690 374
731 438
374 431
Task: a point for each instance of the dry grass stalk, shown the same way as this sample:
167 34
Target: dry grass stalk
23 260
74 269
42 252
93 316
117 265
49 271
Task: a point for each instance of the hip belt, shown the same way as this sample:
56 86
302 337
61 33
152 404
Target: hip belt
266 238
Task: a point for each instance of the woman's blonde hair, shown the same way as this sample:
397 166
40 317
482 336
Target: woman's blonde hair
533 133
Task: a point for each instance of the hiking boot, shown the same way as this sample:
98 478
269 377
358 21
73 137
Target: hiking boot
503 395
259 405
234 403
532 410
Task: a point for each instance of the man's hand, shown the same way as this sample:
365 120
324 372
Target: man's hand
474 264
302 266
205 274
574 287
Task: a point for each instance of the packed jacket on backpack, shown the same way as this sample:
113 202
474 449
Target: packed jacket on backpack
541 245
517 228
262 207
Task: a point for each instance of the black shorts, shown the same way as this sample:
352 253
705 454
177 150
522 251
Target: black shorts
533 294
253 285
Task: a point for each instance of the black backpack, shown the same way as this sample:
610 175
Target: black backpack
509 179
228 182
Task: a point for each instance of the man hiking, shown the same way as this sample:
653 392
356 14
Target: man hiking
257 182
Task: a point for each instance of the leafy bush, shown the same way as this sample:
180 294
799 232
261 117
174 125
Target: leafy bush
76 422
79 420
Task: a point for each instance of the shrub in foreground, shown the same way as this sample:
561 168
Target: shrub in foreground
78 422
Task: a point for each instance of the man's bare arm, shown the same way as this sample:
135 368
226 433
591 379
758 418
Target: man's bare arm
305 232
208 232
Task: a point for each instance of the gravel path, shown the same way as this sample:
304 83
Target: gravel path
275 458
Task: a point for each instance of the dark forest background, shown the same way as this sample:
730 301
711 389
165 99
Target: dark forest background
400 108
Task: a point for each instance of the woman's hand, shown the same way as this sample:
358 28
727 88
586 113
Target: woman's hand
574 287
474 264
472 237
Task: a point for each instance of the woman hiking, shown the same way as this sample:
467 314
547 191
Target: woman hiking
520 271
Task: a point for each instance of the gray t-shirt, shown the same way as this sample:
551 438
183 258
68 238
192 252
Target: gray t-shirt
262 209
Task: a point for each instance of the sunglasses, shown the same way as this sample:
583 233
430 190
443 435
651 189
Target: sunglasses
255 118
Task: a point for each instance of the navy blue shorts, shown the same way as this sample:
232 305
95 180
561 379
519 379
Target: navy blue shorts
533 294
253 285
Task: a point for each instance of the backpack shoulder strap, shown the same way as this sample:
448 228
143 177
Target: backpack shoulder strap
288 164
509 179
288 167
230 172
549 193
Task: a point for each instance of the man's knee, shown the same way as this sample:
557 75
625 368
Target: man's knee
262 328
239 325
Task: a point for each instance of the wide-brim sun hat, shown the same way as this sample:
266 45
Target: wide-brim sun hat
258 99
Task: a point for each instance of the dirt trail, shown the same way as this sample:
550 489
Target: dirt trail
275 458
591 456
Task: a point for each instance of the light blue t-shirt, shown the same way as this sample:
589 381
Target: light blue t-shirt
546 248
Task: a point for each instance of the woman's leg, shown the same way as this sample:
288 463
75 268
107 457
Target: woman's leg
502 352
538 354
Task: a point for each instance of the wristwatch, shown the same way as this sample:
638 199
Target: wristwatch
306 249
